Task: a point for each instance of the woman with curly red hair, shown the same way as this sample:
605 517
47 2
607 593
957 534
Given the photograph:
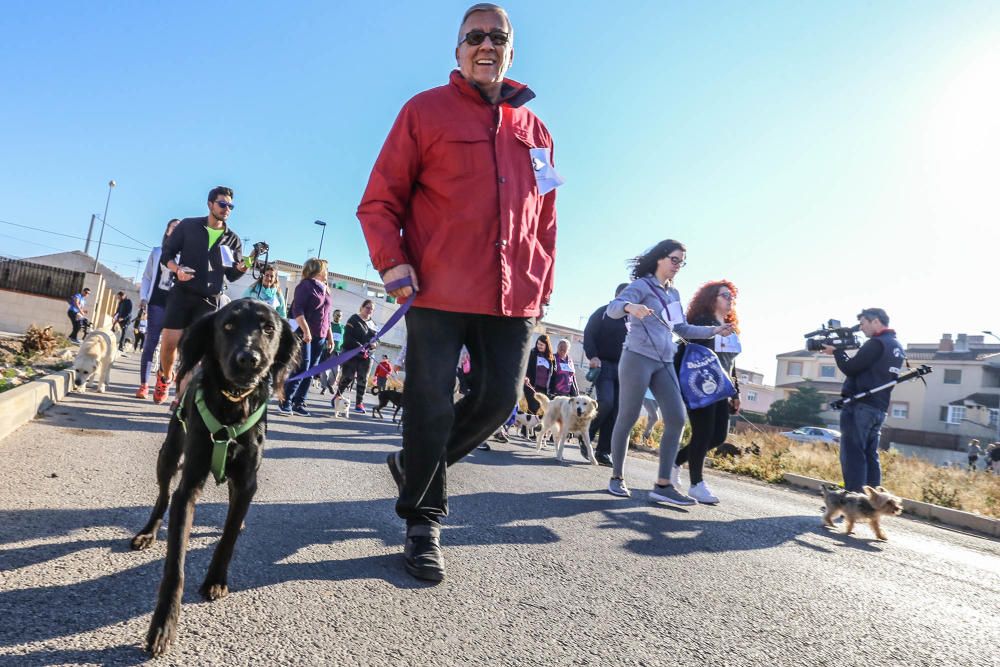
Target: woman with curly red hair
712 305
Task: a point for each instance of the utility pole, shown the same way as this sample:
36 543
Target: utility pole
104 220
138 263
90 233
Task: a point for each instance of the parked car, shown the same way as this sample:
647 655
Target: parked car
813 434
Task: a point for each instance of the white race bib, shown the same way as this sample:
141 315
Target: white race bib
566 367
227 255
675 314
730 343
545 174
542 361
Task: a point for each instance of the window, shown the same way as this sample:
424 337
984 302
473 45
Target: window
751 395
952 376
994 418
956 413
795 368
900 410
744 378
827 371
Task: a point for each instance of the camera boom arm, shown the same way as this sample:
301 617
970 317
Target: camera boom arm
917 372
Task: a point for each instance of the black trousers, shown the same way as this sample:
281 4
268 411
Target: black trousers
607 407
355 368
76 320
437 432
709 428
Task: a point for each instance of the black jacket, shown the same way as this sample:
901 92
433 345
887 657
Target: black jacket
877 362
124 312
357 332
603 337
190 239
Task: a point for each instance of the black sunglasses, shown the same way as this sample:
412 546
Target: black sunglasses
477 37
225 204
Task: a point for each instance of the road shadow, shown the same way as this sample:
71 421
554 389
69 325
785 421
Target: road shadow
286 542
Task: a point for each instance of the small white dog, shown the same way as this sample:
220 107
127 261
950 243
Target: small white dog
565 415
341 407
97 353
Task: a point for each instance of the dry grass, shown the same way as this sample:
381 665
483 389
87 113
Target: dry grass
908 477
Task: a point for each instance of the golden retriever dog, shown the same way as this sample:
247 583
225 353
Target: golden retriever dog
565 415
97 353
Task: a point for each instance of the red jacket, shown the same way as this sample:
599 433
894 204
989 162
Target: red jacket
453 193
384 368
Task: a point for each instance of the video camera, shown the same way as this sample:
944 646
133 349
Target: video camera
831 333
260 249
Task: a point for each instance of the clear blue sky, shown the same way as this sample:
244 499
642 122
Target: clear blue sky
824 156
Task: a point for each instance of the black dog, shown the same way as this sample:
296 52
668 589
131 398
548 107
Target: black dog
245 352
730 450
385 397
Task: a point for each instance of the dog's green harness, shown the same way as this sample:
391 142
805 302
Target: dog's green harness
220 446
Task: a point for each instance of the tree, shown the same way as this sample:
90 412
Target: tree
800 409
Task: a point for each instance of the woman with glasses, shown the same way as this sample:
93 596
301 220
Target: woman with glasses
358 332
653 307
267 289
712 305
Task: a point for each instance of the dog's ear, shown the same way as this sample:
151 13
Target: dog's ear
287 358
197 342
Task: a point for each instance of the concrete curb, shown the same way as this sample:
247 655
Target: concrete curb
945 515
20 405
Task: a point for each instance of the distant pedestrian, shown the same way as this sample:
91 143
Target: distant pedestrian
156 283
562 382
311 309
652 416
382 372
603 338
139 329
975 451
267 289
993 457
359 331
122 318
77 313
541 361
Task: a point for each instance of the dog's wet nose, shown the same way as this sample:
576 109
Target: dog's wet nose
247 359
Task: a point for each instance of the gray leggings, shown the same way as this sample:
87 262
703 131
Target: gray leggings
636 373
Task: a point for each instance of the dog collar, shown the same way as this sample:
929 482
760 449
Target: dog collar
220 445
236 398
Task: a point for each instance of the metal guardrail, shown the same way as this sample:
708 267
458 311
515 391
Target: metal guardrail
21 276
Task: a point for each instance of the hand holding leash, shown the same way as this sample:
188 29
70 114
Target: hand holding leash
397 274
638 310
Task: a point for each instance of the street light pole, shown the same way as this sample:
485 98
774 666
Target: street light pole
321 236
97 255
990 333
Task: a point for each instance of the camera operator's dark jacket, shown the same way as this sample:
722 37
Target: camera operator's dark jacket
190 239
877 362
603 337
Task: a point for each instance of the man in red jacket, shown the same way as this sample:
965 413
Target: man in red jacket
461 202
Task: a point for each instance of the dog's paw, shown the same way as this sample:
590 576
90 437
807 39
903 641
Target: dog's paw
143 541
160 636
101 388
213 591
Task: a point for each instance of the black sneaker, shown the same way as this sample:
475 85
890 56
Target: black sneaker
394 461
422 552
300 411
603 458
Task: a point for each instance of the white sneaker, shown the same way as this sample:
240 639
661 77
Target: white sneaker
703 494
675 477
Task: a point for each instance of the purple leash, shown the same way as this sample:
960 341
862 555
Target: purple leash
333 362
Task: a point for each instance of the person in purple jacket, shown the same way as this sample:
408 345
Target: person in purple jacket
311 309
562 381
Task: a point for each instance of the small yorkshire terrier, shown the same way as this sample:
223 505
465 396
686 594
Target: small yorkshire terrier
869 506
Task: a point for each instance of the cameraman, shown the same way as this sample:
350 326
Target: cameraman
877 362
203 253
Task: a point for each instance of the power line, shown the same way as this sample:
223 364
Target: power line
70 236
127 236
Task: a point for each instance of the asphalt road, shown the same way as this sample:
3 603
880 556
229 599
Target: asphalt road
544 568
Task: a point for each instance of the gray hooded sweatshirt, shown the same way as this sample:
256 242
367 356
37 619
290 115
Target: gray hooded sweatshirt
649 337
